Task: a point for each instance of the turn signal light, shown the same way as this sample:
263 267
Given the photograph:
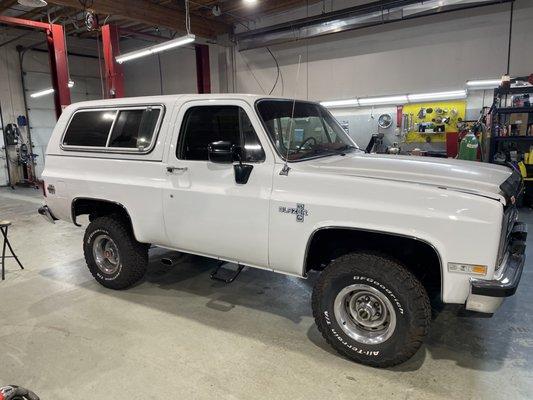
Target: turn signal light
468 268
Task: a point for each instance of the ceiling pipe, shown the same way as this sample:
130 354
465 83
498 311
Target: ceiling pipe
362 16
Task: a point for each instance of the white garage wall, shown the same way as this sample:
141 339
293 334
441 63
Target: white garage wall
426 54
178 71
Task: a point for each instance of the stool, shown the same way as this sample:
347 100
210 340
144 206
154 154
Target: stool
4 226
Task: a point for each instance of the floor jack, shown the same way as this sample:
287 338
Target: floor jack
227 277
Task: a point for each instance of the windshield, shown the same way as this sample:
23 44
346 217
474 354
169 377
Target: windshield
313 132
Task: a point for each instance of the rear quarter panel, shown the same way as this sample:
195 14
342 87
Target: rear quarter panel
133 180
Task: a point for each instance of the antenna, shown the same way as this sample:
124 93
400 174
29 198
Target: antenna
285 170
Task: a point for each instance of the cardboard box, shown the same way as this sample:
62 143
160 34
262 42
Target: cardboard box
519 123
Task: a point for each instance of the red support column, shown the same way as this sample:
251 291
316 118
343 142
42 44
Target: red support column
57 51
203 72
113 71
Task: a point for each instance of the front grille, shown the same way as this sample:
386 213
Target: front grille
509 218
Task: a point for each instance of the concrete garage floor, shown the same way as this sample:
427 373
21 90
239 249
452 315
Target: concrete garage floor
180 335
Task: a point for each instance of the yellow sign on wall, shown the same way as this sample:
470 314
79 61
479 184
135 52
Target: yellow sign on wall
432 117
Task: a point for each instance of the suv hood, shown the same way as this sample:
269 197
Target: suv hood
465 176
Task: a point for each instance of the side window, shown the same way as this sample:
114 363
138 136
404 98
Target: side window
89 128
128 128
134 128
203 125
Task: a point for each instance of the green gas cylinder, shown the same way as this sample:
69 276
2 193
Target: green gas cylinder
468 147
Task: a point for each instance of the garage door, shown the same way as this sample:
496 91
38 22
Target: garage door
84 73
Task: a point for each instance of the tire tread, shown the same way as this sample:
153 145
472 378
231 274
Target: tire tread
395 272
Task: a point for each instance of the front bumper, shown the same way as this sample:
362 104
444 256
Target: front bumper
486 296
45 212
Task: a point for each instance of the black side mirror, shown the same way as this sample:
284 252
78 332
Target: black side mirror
225 152
221 152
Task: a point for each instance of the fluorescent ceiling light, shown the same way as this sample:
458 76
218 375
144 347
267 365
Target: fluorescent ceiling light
484 83
132 55
397 99
455 94
33 3
341 103
42 93
371 101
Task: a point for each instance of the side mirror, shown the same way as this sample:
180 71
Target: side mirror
221 152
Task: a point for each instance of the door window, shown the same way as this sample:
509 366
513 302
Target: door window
203 125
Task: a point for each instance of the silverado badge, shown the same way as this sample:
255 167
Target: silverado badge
300 211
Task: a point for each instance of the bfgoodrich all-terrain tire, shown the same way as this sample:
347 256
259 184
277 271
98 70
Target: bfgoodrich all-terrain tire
371 309
114 257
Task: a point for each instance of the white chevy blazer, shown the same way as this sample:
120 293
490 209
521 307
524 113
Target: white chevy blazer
277 184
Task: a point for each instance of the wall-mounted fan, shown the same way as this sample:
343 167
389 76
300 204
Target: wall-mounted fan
385 121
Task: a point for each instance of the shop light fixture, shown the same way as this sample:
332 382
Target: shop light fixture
374 101
42 93
45 92
454 94
397 99
341 103
484 83
158 48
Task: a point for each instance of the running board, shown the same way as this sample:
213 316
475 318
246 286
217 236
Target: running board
227 277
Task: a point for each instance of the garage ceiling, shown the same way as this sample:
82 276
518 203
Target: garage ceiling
147 16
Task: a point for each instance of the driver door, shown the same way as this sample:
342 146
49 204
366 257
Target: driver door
206 211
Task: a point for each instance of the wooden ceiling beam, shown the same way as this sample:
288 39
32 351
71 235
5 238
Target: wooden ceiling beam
6 4
152 14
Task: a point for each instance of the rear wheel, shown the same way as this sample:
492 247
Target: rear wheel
116 260
371 309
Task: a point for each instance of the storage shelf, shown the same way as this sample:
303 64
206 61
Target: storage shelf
515 90
512 137
513 110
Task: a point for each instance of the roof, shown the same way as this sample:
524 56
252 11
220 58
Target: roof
170 99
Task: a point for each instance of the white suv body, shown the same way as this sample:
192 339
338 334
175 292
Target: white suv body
458 210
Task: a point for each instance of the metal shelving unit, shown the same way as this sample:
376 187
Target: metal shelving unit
501 117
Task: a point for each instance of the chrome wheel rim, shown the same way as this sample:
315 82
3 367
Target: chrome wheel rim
365 314
106 255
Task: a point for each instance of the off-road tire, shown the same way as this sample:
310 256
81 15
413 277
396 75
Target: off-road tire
133 255
406 294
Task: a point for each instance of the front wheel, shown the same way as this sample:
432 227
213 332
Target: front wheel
116 260
371 309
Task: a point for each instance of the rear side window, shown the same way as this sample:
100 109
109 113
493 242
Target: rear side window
203 125
134 128
89 128
119 129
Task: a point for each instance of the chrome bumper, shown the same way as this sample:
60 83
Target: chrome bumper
45 212
486 296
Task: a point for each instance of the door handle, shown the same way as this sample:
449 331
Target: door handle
172 169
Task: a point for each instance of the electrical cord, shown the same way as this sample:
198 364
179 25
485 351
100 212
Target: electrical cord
279 74
187 18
